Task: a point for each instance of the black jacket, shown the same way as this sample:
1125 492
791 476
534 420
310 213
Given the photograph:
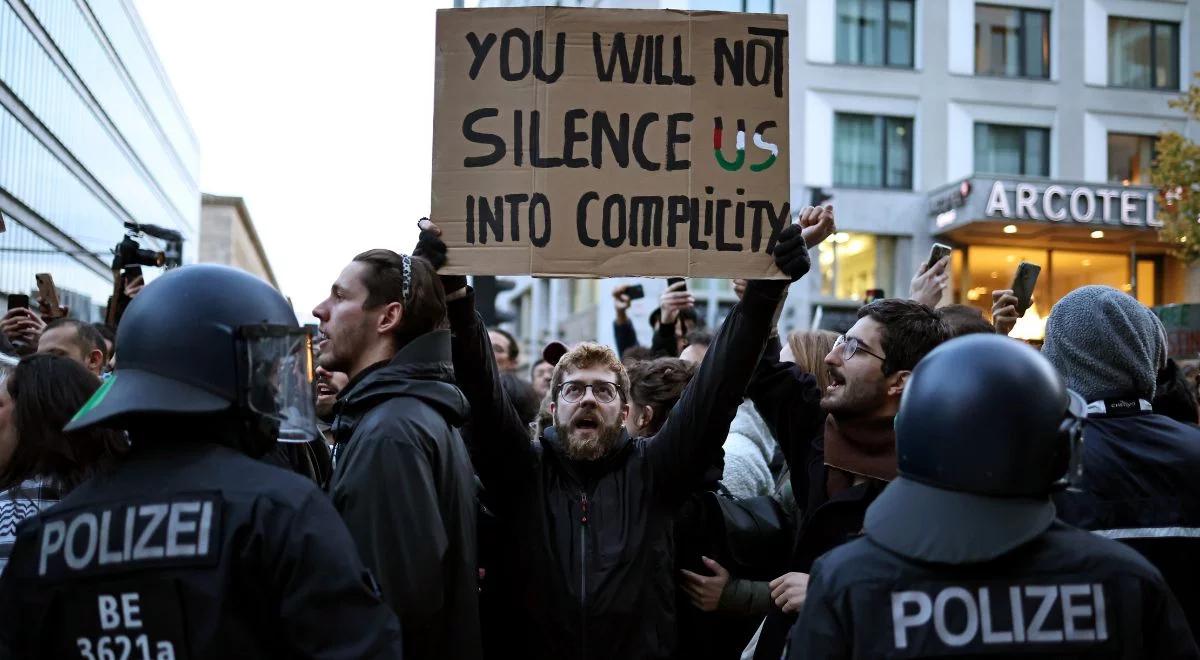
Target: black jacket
1141 486
226 557
403 484
593 539
789 400
1078 596
624 337
662 342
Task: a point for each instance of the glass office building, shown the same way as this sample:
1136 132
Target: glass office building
91 136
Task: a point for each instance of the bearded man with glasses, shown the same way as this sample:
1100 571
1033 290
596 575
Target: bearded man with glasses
840 443
587 510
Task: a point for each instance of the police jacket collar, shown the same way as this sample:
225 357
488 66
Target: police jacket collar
937 525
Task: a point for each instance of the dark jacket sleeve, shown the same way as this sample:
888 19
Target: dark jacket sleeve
663 342
789 401
327 605
625 336
388 498
818 633
499 442
689 442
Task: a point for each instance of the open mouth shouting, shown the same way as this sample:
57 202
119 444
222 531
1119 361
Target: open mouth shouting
836 382
586 422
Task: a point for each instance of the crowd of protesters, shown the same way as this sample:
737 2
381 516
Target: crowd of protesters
920 485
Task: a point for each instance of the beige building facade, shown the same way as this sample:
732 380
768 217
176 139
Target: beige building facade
227 236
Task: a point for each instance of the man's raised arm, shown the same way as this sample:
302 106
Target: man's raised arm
690 440
499 442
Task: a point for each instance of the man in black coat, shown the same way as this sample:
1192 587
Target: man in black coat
962 555
402 477
1140 468
839 443
188 547
589 509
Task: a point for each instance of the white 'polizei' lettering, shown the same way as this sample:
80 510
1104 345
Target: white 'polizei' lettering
902 621
1036 634
990 635
160 531
1081 610
76 560
155 513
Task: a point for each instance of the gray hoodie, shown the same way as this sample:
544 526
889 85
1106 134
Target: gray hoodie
748 451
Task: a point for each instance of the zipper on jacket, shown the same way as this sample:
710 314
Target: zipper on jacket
583 524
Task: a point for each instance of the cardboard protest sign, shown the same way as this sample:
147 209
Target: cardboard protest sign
606 142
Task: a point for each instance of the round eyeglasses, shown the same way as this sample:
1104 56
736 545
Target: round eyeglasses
572 391
850 346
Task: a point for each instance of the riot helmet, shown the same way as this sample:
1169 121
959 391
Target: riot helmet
209 339
986 431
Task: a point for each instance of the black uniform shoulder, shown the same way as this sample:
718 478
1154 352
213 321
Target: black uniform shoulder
1155 436
1095 553
168 471
859 561
1061 548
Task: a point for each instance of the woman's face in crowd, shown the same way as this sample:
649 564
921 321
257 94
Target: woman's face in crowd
8 427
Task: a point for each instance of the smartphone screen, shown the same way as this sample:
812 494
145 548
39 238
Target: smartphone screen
18 301
936 253
671 281
1023 283
47 291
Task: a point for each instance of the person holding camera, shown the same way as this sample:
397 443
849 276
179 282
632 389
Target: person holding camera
962 554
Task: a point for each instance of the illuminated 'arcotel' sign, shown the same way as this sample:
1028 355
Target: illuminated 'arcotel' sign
1083 204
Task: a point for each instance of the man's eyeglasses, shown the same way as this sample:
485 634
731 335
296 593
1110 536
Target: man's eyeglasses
850 346
572 391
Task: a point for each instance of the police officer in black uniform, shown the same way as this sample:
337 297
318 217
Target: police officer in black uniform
189 547
962 553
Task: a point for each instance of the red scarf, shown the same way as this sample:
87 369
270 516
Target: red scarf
860 447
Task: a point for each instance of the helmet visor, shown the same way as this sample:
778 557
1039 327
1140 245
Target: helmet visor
277 380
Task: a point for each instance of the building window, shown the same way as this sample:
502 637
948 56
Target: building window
872 151
847 265
1143 54
1129 158
1018 150
583 294
759 6
1012 42
875 32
